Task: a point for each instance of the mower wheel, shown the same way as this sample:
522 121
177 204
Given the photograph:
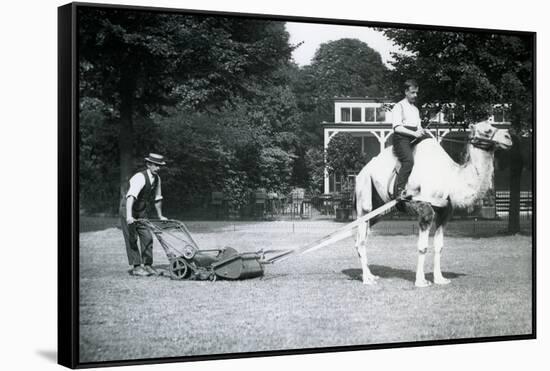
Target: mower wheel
179 269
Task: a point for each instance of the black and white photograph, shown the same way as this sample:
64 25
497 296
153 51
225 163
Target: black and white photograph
253 185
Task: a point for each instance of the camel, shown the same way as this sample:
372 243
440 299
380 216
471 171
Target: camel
441 185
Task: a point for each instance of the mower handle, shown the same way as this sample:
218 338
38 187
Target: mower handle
145 220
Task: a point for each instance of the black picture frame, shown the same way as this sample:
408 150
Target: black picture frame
68 191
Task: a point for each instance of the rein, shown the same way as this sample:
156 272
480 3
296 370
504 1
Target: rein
481 143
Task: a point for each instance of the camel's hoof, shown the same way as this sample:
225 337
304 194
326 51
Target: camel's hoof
442 281
423 283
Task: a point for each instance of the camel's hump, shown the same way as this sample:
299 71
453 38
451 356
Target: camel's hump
428 151
430 148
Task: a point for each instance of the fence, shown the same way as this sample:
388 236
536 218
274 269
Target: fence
298 205
502 203
261 205
458 228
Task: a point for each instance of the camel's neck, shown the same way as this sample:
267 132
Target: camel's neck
474 177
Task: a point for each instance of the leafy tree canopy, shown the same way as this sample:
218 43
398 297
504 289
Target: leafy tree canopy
343 155
473 71
216 82
346 67
198 62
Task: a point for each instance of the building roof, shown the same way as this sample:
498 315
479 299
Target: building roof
434 125
364 99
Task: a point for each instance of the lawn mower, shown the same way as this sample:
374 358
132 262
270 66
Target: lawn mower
188 262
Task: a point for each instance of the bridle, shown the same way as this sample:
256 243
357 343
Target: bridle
486 144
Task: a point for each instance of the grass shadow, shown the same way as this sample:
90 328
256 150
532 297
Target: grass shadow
273 276
388 272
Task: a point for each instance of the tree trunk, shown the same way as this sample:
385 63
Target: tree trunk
516 167
126 134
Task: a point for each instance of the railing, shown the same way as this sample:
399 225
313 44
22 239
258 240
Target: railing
502 202
297 205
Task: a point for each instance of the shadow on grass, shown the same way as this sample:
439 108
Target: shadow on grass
388 272
164 271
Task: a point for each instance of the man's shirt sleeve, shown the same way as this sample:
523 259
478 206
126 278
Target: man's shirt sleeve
158 195
137 182
397 115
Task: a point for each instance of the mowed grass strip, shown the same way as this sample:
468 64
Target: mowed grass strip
309 301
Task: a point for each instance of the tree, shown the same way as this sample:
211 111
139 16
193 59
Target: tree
315 166
245 145
465 75
98 142
140 64
343 155
345 67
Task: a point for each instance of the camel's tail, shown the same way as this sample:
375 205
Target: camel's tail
354 204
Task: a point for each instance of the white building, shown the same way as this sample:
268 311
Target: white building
369 120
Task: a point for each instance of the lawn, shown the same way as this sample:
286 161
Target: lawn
309 301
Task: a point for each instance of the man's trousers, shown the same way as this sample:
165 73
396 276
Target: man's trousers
131 233
403 149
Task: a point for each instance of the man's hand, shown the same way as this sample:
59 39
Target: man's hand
130 220
427 133
423 133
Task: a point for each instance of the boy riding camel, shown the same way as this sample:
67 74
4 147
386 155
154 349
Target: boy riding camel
407 132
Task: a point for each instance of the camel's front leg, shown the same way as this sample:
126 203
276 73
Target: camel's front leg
361 245
422 250
438 246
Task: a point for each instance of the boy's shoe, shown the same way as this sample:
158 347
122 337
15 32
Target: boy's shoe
139 271
405 195
152 271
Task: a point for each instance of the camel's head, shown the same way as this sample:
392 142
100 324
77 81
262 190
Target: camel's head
485 135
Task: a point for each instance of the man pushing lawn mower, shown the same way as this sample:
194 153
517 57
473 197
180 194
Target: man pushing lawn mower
144 190
186 260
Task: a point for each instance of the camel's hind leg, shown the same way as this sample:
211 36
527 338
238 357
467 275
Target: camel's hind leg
363 231
442 216
438 246
363 204
425 218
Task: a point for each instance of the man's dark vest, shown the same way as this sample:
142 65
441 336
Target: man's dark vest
145 197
